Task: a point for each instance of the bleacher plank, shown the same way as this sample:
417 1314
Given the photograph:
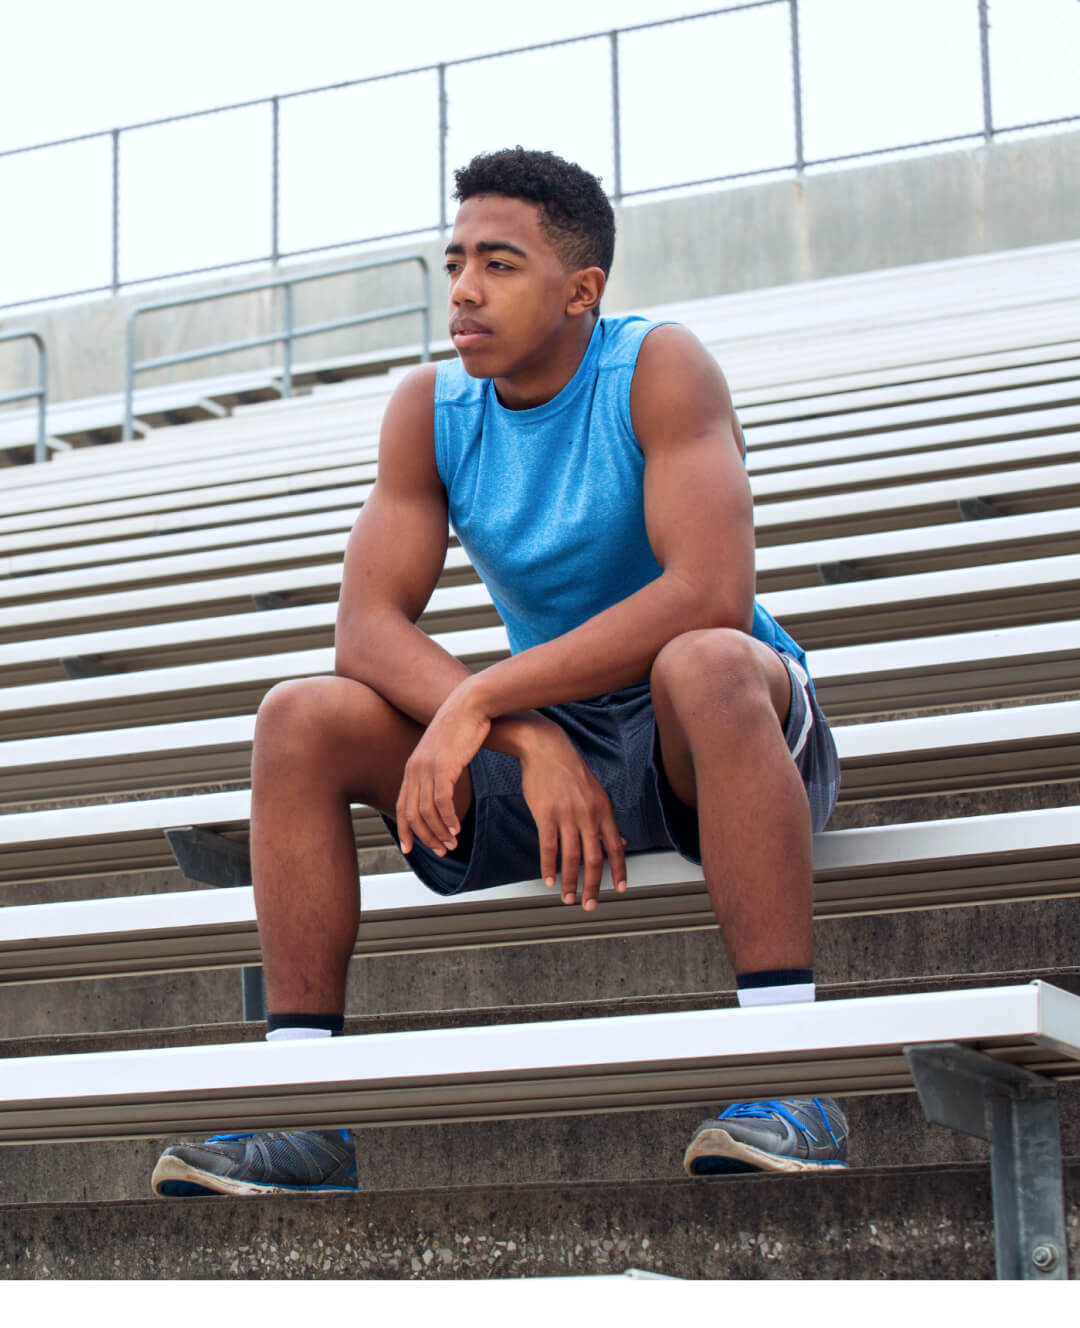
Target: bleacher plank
619 1063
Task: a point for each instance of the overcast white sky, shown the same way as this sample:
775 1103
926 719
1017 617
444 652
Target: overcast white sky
698 100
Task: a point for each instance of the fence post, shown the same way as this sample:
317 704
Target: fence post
616 117
286 378
115 210
275 182
443 131
984 49
796 86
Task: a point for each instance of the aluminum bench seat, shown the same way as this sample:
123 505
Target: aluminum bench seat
928 864
771 448
167 599
205 486
981 416
295 625
908 505
778 519
895 608
346 497
780 358
84 421
948 382
318 435
350 433
627 1062
885 759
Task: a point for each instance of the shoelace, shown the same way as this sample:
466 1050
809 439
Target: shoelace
763 1110
219 1138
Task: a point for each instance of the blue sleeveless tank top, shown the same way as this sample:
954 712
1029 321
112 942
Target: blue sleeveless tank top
549 503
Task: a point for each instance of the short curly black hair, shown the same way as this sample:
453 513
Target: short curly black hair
575 214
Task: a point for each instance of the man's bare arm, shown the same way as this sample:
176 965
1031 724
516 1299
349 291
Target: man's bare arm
393 560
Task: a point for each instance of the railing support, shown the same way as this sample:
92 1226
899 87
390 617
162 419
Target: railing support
41 450
444 130
286 337
115 211
1017 1111
616 117
984 51
796 87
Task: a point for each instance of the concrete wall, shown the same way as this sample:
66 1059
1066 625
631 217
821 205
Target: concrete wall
946 205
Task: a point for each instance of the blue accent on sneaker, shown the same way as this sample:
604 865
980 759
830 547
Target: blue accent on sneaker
763 1110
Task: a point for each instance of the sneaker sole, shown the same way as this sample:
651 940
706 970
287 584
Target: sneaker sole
174 1178
731 1156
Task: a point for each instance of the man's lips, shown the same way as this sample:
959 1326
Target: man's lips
466 332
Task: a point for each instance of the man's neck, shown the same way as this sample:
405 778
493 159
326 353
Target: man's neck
553 367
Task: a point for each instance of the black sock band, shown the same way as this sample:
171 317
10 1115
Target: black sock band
333 1023
774 977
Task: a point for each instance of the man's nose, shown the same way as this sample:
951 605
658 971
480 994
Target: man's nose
466 289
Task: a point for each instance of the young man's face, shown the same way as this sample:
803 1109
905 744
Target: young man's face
509 289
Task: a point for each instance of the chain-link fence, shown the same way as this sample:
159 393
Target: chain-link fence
751 90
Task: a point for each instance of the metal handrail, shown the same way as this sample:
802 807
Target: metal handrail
41 451
985 130
285 337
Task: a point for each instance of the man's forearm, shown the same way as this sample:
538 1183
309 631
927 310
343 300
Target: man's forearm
416 675
611 650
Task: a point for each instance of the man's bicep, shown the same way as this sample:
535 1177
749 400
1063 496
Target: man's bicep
397 547
698 505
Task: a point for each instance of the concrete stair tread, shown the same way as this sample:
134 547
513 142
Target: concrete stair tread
879 1222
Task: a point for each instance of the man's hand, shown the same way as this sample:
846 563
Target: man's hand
573 814
425 805
573 817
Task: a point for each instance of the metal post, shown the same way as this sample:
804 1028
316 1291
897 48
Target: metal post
253 994
425 353
1018 1112
40 450
115 210
129 376
443 131
984 47
275 184
286 377
616 126
796 86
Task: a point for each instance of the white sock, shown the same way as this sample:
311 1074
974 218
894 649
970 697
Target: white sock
296 1034
790 993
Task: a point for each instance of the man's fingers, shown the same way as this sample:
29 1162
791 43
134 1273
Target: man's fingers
571 861
594 868
615 846
549 851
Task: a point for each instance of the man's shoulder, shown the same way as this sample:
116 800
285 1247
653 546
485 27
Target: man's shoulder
455 387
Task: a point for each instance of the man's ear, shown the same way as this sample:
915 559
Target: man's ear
587 288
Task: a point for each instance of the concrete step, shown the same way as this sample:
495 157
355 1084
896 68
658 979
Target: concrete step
927 1222
1032 938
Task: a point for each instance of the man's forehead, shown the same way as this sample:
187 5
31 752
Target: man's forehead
489 217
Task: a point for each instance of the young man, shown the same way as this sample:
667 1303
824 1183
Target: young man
593 470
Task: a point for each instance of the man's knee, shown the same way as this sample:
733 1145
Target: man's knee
300 715
720 667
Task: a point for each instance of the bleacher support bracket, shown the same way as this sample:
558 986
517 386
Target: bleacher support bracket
1017 1112
204 855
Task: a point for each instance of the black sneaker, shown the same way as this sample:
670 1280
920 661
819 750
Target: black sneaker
797 1134
276 1162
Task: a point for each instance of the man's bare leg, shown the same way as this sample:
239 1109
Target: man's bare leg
320 744
721 699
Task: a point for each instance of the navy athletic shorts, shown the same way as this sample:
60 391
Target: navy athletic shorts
616 736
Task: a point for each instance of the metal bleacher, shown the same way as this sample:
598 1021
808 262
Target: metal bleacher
914 451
